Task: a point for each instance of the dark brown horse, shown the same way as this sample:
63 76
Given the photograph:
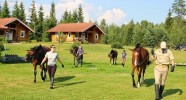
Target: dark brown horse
113 56
77 58
140 59
73 51
36 55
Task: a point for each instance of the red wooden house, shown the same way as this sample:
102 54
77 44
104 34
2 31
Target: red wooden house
77 31
14 30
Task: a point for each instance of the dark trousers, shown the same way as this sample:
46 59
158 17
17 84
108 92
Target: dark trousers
51 70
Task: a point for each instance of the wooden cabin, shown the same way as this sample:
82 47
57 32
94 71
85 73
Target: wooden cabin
77 31
14 29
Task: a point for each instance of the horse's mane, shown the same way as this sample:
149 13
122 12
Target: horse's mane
39 51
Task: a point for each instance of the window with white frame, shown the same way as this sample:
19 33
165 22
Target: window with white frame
69 35
22 34
96 36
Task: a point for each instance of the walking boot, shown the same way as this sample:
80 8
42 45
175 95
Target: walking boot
157 92
161 90
51 82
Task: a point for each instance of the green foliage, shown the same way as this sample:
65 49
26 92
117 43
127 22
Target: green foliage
5 11
80 14
33 41
16 10
85 42
2 47
61 37
75 44
22 15
117 45
179 8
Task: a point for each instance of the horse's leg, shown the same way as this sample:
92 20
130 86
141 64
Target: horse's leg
35 72
144 68
110 61
113 60
74 60
45 71
41 73
132 74
139 75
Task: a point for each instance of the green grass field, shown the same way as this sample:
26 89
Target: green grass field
96 80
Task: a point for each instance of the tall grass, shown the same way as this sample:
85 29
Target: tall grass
95 80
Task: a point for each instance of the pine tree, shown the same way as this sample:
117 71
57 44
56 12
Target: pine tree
15 12
39 28
169 21
33 20
80 14
22 15
179 8
64 17
74 16
5 11
53 15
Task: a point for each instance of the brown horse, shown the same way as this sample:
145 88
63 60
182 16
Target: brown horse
140 59
113 56
73 51
36 55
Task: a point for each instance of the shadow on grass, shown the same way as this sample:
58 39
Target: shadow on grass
172 91
67 84
65 78
149 82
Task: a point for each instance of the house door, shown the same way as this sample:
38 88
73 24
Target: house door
83 36
9 35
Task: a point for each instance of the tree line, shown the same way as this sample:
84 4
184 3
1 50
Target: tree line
172 30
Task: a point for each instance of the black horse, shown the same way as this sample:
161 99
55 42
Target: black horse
113 56
77 58
36 55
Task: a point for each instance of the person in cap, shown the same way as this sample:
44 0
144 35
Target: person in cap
162 56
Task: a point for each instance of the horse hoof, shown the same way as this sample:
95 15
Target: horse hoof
34 81
138 85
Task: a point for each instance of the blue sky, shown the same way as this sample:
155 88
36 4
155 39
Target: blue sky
114 11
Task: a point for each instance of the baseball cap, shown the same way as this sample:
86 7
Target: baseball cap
163 45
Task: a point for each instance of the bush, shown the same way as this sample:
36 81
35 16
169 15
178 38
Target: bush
85 42
33 41
1 47
117 45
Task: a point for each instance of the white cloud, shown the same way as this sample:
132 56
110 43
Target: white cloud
116 16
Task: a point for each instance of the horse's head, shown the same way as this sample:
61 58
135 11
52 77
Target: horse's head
29 55
136 56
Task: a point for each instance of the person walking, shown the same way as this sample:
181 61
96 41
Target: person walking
80 53
162 57
51 57
123 57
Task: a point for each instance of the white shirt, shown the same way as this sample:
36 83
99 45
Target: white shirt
51 56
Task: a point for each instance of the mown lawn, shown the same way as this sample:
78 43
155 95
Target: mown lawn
96 80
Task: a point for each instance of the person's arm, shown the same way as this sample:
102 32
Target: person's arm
172 62
60 61
44 59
